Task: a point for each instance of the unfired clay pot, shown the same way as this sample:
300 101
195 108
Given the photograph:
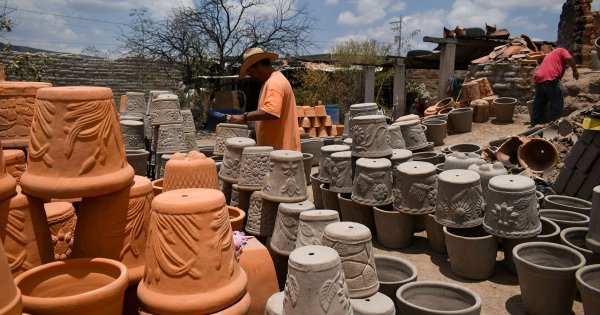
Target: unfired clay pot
254 167
399 156
394 229
567 203
133 134
285 232
372 184
396 138
312 146
592 240
135 104
341 172
465 148
330 199
311 226
307 161
371 138
138 159
352 241
436 131
355 212
189 238
392 273
413 134
460 201
428 156
574 237
415 188
225 131
316 190
462 119
472 252
434 297
550 231
459 160
62 220
486 171
547 276
232 159
10 299
285 181
435 234
93 286
191 171
588 283
356 110
261 216
377 304
164 110
505 108
564 218
89 160
325 163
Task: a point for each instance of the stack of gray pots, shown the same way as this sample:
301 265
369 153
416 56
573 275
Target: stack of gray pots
165 119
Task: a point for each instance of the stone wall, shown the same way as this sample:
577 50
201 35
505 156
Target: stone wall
576 28
509 80
121 75
431 79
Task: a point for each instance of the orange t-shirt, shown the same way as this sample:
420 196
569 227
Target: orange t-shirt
276 98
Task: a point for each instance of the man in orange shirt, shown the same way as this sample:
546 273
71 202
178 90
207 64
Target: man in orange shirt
276 120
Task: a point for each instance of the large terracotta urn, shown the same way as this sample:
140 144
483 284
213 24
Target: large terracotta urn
17 103
190 265
10 299
285 181
192 171
76 148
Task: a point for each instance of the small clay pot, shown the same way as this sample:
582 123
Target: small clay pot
414 135
62 220
355 212
394 229
486 171
236 218
588 283
157 186
311 226
133 134
330 200
170 139
285 233
285 181
574 237
504 108
341 172
261 215
234 147
392 273
415 188
307 160
256 261
191 171
275 304
316 190
254 167
567 203
466 148
537 154
436 131
462 119
325 163
400 156
565 219
135 104
546 274
376 304
396 138
433 297
435 234
472 252
76 286
373 182
312 146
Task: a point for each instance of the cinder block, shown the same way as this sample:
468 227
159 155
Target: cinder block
561 181
596 138
577 179
576 152
588 158
585 191
587 136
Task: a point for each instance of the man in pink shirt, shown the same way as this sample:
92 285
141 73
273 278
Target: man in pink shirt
548 90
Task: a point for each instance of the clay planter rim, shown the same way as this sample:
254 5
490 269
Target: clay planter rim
566 241
236 218
406 266
436 122
465 148
523 157
460 110
553 224
42 273
537 268
473 309
563 216
467 238
445 111
505 101
438 117
584 205
446 102
581 273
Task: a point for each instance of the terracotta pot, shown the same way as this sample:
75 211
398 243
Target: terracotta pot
565 219
574 237
462 119
547 276
392 273
377 304
88 160
438 117
15 163
133 134
262 280
415 188
399 156
436 131
316 190
261 216
372 185
330 200
487 171
355 212
285 181
433 297
472 252
507 152
341 172
512 207
460 201
10 300
504 108
435 234
429 157
236 218
430 111
537 154
568 203
414 135
186 226
459 160
325 164
285 232
138 159
62 221
396 138
225 131
394 229
24 232
191 171
76 286
352 241
254 167
232 158
307 160
444 103
122 233
314 271
311 226
447 110
588 283
18 111
466 148
312 146
592 240
157 186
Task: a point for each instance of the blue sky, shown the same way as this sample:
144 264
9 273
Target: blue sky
48 24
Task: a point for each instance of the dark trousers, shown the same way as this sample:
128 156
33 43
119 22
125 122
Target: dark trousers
547 93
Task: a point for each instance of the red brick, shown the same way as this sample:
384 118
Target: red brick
575 183
575 154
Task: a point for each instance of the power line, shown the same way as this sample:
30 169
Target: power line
70 17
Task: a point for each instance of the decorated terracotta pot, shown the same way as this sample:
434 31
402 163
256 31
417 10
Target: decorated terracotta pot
10 299
89 160
325 162
285 181
373 182
460 201
415 188
15 162
371 137
285 233
311 226
225 131
261 215
232 159
193 171
62 221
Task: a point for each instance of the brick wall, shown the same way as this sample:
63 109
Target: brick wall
576 28
431 79
509 80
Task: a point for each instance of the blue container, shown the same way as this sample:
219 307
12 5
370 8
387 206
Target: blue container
211 123
333 111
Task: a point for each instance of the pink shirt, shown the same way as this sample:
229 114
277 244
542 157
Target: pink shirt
553 67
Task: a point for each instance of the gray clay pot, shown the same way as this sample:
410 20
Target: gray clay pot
430 157
574 237
505 108
465 148
394 229
434 297
565 219
462 119
392 273
307 160
588 283
546 274
376 304
592 240
312 146
567 203
138 159
436 131
329 198
354 212
472 252
460 160
316 190
435 234
550 232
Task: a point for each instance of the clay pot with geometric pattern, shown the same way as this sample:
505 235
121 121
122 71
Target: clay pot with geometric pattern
193 171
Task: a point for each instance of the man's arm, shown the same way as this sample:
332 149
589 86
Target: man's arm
258 114
571 63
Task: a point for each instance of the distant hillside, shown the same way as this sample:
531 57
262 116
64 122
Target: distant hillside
27 49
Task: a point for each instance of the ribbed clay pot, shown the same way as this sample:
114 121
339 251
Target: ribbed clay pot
396 138
472 252
10 300
93 286
460 201
371 138
568 203
377 304
394 229
226 131
433 297
89 160
316 190
285 233
355 212
341 172
230 170
415 188
436 131
189 238
372 184
504 108
459 160
565 219
312 146
462 119
592 240
574 237
352 241
392 273
311 225
588 283
414 135
138 159
285 181
537 154
466 148
261 216
191 171
547 276
435 234
325 163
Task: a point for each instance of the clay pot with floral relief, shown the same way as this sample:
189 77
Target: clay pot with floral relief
226 131
62 221
372 184
460 201
371 138
285 181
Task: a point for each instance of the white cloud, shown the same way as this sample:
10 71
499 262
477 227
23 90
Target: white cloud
365 12
472 13
526 23
332 2
400 6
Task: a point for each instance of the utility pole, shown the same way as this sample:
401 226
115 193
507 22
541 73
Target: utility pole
396 27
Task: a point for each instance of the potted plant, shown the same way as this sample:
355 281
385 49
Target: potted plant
421 97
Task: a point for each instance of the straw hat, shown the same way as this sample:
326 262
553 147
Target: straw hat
252 56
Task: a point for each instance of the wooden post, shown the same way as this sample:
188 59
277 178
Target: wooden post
369 84
399 91
447 56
